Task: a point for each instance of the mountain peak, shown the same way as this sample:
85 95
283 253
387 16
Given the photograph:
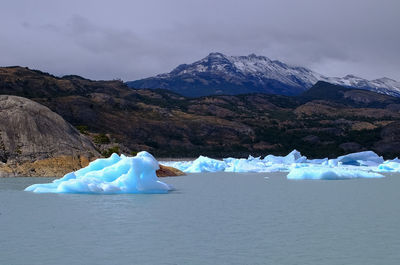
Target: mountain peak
214 58
218 73
216 55
351 76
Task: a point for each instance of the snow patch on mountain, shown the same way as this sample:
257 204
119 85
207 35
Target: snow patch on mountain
259 71
382 85
247 67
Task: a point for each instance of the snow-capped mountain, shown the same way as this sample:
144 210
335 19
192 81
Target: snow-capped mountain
382 85
221 74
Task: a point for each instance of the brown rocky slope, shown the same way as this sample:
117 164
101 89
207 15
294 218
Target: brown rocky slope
325 121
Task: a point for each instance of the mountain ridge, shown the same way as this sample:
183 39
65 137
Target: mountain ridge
326 121
221 74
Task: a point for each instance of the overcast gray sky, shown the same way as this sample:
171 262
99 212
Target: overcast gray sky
135 39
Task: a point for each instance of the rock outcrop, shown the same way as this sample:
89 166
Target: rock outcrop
166 171
35 141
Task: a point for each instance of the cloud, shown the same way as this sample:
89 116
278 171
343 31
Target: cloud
135 39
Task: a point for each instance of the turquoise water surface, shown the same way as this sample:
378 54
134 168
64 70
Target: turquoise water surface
211 218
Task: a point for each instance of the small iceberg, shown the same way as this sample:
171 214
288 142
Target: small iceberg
390 166
205 164
113 175
293 157
366 158
330 173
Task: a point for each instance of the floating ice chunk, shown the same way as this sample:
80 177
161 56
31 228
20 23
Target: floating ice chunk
245 165
251 164
99 164
181 165
363 161
205 164
277 168
293 157
254 158
323 161
316 172
201 164
366 158
389 166
397 160
116 174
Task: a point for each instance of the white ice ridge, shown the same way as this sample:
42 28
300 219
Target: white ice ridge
356 165
113 175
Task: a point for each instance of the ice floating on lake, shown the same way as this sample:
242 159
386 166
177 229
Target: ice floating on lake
292 157
205 164
321 172
270 163
113 175
355 165
366 158
121 174
390 166
251 164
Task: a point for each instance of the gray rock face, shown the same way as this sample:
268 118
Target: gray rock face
30 131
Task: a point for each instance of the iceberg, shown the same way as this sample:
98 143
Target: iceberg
238 165
329 173
293 157
366 158
354 165
252 164
113 175
205 164
270 163
389 166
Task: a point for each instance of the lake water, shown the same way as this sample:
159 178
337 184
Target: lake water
213 218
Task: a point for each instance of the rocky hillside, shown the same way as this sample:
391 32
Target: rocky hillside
36 141
221 74
327 120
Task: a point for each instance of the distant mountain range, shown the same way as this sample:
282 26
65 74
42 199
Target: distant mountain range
221 74
326 120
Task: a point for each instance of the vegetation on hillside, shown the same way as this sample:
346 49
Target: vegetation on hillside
325 121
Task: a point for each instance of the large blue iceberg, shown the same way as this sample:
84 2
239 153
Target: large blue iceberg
356 165
113 175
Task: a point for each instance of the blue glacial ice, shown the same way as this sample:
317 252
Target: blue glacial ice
366 158
292 157
204 164
356 165
329 173
113 175
270 163
390 166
